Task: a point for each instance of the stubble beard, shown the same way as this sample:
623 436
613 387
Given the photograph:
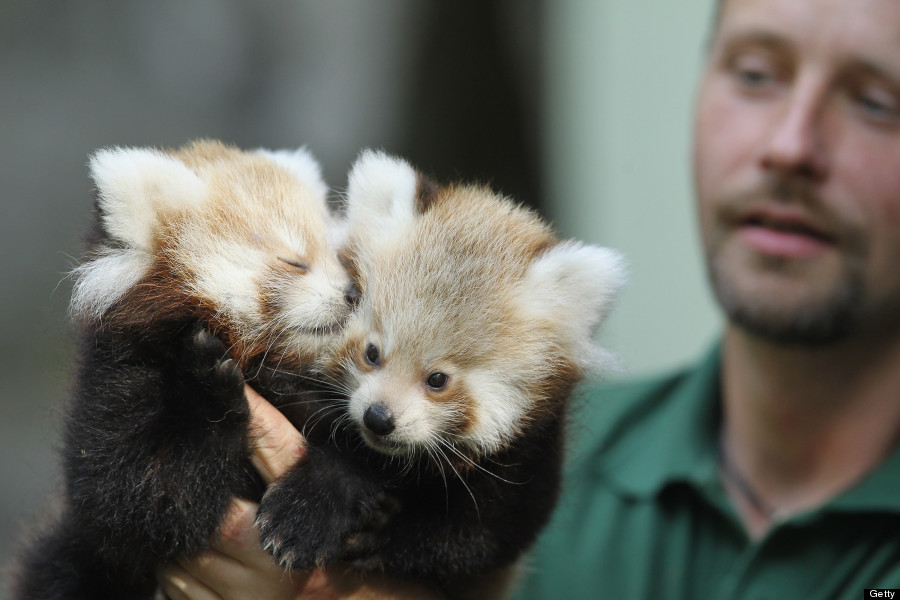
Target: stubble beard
827 317
830 306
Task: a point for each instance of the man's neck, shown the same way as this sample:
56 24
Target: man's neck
802 424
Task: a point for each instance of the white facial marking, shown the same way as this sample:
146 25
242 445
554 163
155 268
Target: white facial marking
499 410
313 302
227 275
416 419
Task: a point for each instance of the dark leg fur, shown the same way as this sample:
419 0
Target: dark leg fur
335 506
452 530
157 443
322 510
60 564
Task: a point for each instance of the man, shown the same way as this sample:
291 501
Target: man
772 469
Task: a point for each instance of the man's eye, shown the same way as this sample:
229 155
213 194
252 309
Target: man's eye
872 105
754 71
877 105
753 78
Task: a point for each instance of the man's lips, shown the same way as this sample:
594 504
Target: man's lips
784 232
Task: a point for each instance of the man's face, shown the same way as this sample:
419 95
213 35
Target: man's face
797 166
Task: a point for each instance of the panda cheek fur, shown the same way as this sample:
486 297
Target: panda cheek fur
281 300
457 407
348 262
274 299
555 390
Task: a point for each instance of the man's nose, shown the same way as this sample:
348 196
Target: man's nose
796 145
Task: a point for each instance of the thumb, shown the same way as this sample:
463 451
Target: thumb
277 444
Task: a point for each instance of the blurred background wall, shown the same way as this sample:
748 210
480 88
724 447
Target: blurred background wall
580 108
620 78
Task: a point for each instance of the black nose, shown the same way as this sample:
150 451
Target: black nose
352 294
378 419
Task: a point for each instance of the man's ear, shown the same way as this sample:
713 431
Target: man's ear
576 286
381 196
136 186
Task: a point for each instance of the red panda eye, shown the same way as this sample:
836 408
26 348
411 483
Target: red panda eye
301 266
372 355
437 380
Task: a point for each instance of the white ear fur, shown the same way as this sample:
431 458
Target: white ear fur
381 195
302 165
576 286
134 185
100 282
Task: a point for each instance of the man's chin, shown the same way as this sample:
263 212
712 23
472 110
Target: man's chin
798 329
791 310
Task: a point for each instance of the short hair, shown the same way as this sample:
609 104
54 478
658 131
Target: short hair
717 11
714 24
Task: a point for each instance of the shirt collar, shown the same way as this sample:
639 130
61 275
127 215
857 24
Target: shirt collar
878 491
677 443
675 439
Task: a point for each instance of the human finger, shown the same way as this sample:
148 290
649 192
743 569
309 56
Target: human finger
277 445
178 584
238 537
229 579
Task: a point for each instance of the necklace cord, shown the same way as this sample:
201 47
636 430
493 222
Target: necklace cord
741 484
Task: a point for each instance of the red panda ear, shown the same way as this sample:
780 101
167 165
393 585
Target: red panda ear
575 286
381 197
302 165
137 185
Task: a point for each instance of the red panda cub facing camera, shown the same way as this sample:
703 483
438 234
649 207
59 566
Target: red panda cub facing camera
474 324
208 266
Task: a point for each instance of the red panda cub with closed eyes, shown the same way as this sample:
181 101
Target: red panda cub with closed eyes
208 266
474 325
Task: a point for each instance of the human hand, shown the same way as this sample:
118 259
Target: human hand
237 568
234 567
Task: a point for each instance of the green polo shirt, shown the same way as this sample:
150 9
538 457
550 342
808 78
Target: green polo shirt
644 515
